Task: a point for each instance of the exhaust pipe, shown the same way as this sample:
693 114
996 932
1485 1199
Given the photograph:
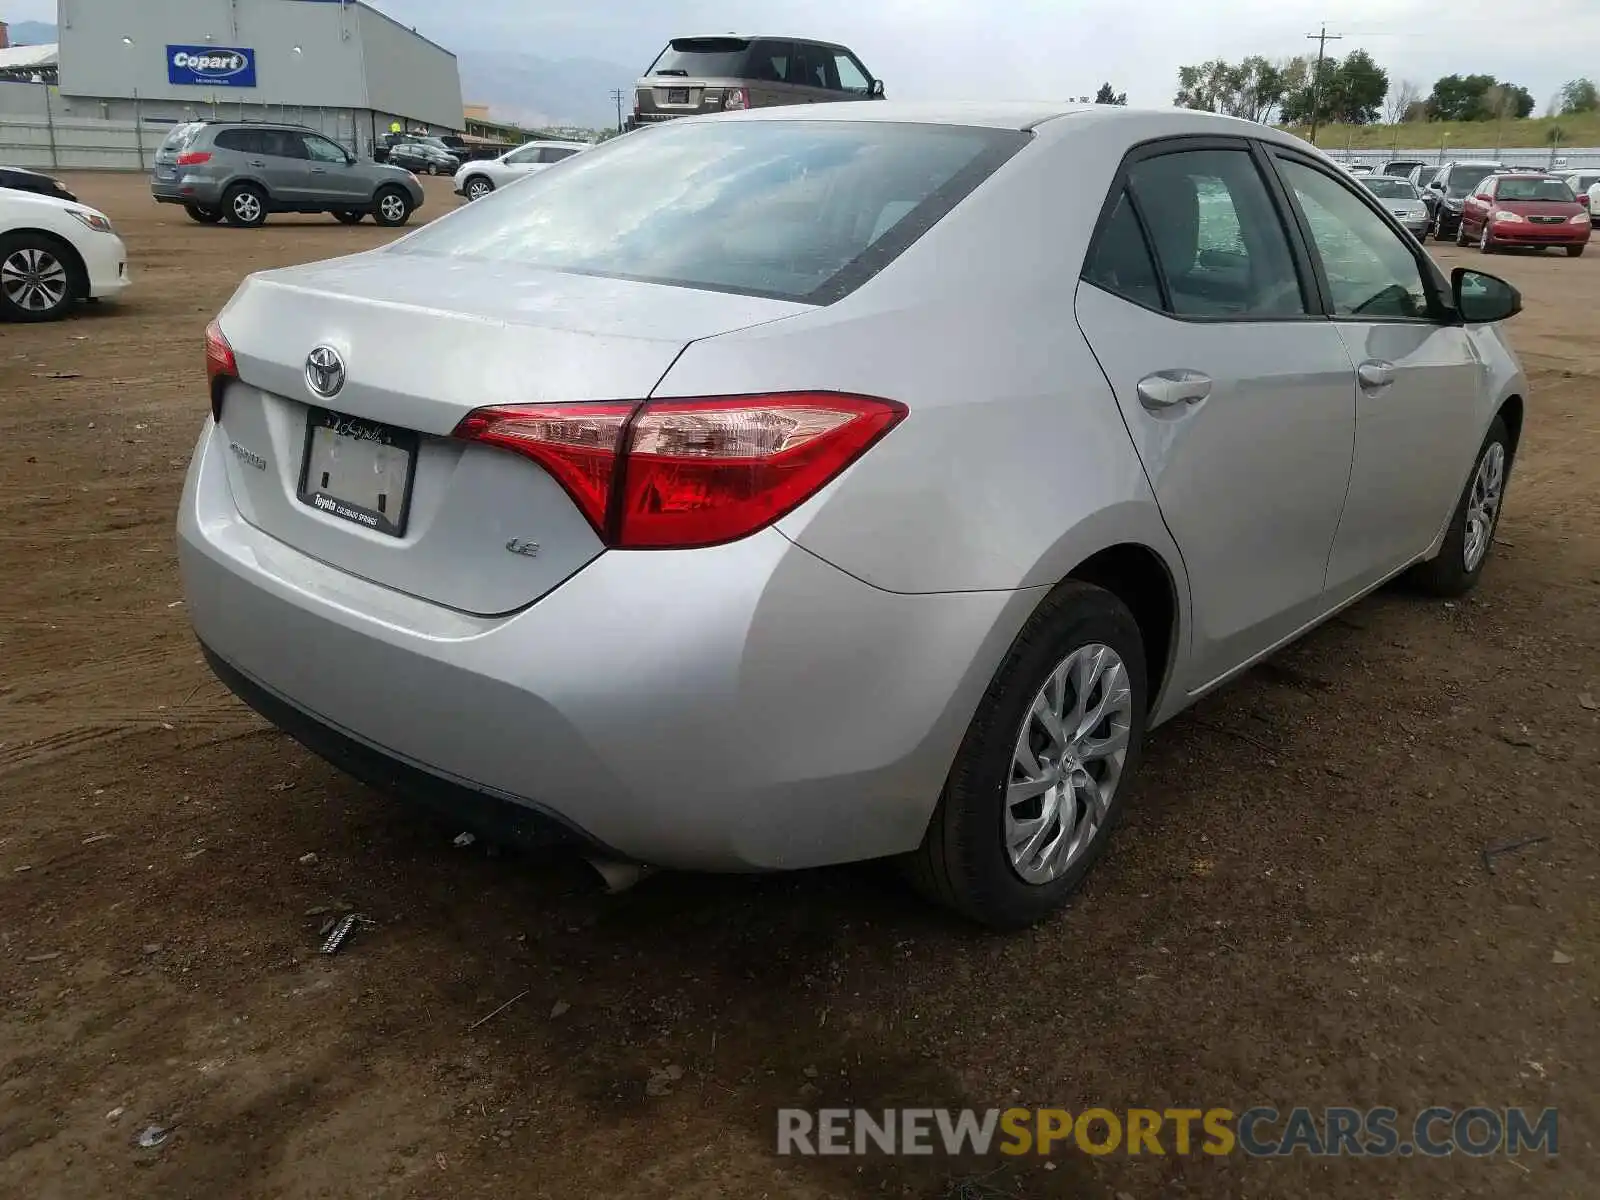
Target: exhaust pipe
618 876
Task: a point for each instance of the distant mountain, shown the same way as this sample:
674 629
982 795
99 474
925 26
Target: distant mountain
517 87
32 33
541 91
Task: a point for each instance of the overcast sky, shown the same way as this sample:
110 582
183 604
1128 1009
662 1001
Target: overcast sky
1026 49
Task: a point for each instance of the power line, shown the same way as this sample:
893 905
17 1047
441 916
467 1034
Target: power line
1322 39
616 94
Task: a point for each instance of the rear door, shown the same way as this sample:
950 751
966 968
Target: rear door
286 166
1239 395
1418 376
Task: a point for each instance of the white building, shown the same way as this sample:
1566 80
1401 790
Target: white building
337 65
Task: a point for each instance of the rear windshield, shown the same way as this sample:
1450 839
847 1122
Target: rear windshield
1390 188
179 137
1535 189
795 210
1463 179
722 58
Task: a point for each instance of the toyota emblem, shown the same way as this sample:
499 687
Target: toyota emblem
324 371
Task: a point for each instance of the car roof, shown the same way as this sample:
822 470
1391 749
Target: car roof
755 37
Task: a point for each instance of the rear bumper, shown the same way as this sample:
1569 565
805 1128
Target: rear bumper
187 190
742 707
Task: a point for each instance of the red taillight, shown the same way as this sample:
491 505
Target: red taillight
220 366
193 158
671 474
736 98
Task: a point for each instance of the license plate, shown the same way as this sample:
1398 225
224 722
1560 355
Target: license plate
165 172
677 95
359 471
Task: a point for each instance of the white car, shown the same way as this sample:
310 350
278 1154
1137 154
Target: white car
1586 186
54 252
477 179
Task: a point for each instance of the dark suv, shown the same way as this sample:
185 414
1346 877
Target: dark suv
240 171
1446 189
724 74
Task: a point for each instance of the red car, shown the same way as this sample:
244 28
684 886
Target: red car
1524 210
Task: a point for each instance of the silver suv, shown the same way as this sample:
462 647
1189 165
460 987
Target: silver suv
721 74
240 172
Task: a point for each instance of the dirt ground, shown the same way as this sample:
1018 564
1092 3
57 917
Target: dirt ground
1296 910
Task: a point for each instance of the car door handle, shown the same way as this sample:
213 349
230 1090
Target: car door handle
1375 375
255 162
1168 389
319 170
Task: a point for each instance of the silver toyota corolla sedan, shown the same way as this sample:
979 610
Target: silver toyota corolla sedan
862 480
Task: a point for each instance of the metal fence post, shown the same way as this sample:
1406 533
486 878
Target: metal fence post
50 123
138 128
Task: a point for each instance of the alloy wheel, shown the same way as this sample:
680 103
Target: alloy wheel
1483 505
477 190
247 207
34 280
1067 763
393 208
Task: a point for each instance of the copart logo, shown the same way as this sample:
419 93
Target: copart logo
224 63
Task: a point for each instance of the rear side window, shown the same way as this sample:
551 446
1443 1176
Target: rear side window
703 57
554 154
795 210
1219 243
247 141
1120 259
771 62
179 137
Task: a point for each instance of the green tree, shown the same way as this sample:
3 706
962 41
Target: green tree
1579 96
1108 95
1459 97
1205 87
1359 86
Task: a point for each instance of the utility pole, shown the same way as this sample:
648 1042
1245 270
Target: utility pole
1322 39
616 94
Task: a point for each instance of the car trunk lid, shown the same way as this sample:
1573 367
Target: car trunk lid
369 478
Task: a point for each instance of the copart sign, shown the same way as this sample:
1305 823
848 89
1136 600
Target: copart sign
211 66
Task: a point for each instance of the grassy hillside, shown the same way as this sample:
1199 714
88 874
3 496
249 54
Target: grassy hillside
1532 134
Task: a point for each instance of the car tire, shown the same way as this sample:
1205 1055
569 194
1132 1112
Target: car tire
477 187
40 277
969 857
1461 235
205 216
1575 251
1437 228
1469 541
245 205
348 217
1486 241
391 207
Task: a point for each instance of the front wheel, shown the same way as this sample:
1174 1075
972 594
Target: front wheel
1461 558
1486 241
1461 235
1575 251
37 278
478 187
1040 778
392 207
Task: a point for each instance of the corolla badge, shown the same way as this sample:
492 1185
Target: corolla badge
325 371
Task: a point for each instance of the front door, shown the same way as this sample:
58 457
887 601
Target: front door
1240 397
333 179
1418 379
284 166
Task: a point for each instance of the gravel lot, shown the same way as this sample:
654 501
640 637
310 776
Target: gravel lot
1296 910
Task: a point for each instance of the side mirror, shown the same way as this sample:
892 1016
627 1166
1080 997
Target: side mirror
1481 299
349 159
1484 198
1436 186
875 89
